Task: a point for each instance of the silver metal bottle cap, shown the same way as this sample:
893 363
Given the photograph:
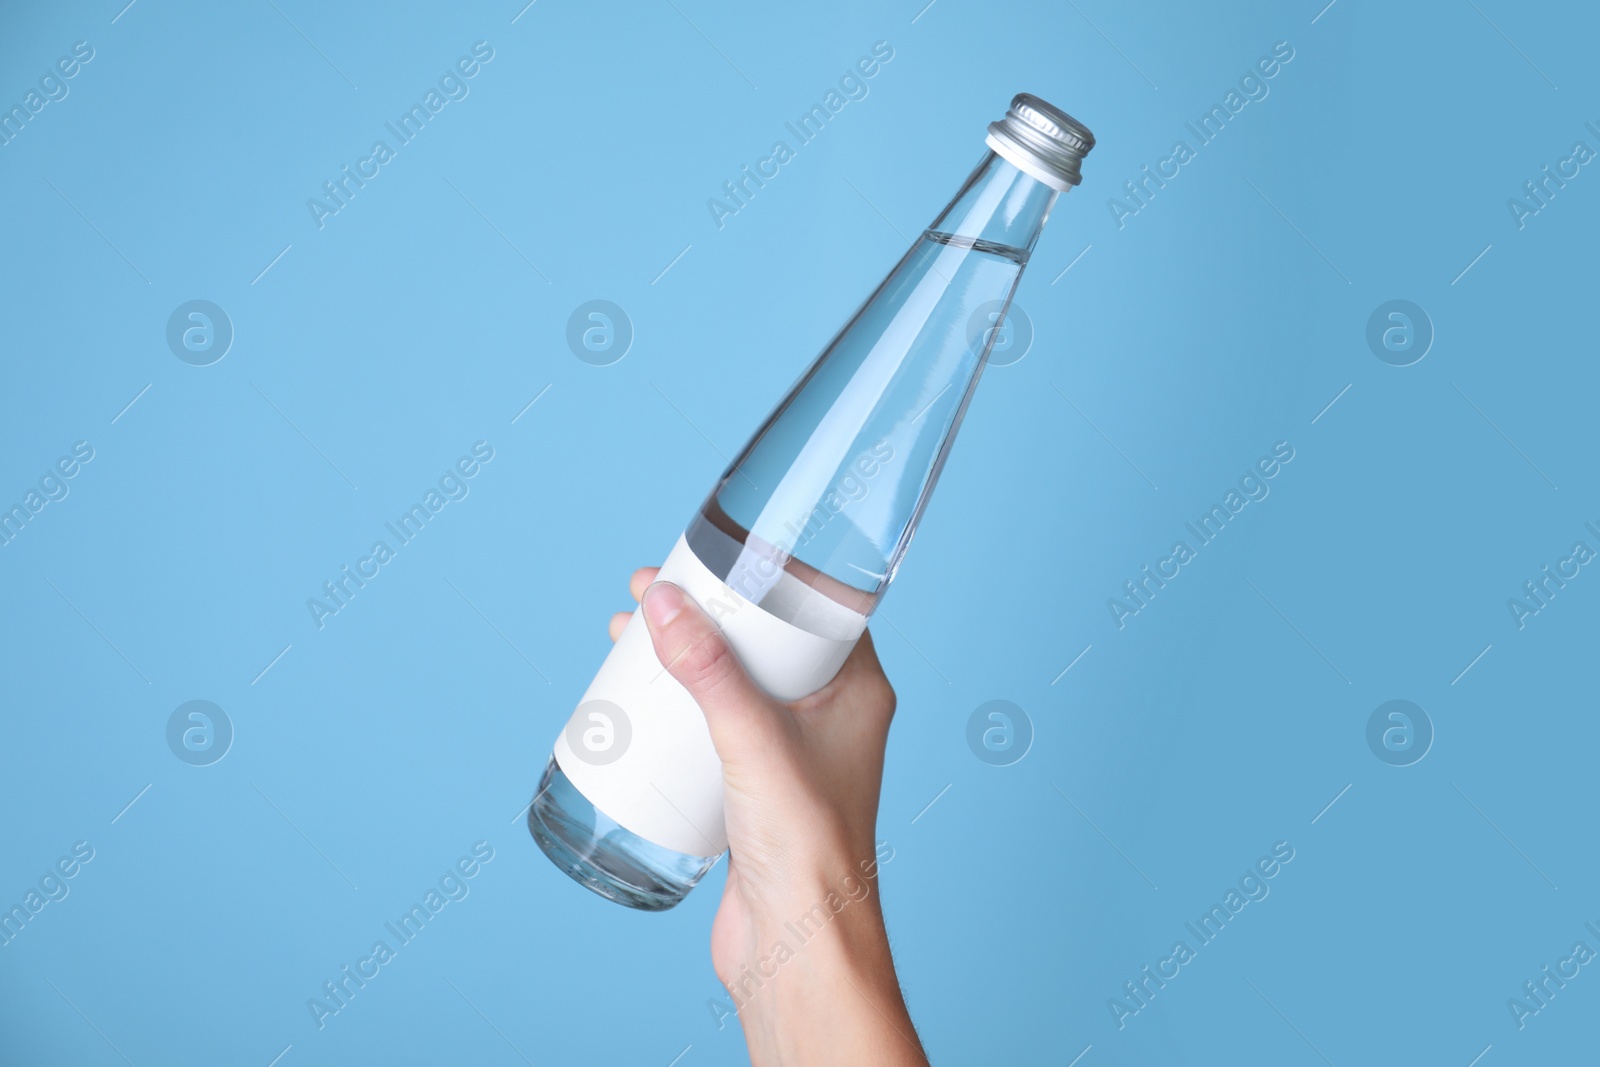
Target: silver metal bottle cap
1042 141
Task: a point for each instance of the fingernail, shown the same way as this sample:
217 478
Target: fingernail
662 602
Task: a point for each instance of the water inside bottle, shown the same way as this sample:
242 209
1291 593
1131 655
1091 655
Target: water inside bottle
811 520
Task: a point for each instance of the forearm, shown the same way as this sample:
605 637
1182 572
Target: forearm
827 991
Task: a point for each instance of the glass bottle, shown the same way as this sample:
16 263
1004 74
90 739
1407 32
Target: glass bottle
805 530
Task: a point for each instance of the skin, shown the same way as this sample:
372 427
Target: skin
801 781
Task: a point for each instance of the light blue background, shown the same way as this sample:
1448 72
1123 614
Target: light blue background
1222 318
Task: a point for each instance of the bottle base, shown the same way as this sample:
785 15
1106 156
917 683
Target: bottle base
597 853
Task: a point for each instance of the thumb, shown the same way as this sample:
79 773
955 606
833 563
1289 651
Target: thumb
740 715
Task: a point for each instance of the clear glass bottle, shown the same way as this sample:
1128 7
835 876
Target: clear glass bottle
806 529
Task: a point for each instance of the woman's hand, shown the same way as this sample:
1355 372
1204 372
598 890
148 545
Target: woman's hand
799 940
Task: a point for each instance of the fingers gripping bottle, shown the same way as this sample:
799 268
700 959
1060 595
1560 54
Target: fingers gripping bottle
798 541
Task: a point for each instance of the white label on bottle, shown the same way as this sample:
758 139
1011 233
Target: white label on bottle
637 746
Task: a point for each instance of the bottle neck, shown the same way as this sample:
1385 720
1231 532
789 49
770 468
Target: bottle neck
998 204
